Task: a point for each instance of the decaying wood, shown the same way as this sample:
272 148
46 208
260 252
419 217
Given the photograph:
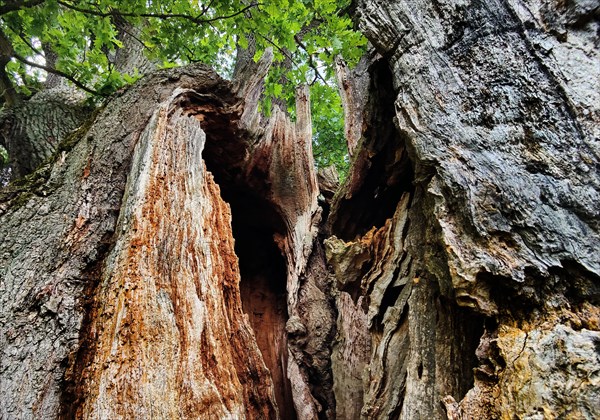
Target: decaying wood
169 335
352 86
128 303
496 267
175 257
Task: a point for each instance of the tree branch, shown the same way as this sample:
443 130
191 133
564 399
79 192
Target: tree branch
18 5
311 62
25 40
285 53
29 44
59 73
7 88
205 8
165 16
7 52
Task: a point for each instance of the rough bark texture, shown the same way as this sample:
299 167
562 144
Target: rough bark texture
175 259
353 86
168 330
468 228
120 284
31 131
130 57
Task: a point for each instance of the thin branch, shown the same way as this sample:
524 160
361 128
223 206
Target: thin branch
311 62
286 53
29 44
59 73
193 19
207 7
281 50
25 41
18 5
135 38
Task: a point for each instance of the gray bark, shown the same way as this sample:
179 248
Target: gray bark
493 135
180 261
32 130
130 59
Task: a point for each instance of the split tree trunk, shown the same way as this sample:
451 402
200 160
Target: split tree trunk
120 281
467 237
174 260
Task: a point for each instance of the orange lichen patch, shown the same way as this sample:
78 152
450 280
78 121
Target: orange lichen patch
87 169
579 316
171 332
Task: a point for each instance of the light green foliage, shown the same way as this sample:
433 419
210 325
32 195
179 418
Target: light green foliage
329 142
305 36
3 156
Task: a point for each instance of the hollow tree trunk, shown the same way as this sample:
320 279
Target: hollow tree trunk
121 293
466 239
174 260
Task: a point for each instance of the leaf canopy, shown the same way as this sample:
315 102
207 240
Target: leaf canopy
83 36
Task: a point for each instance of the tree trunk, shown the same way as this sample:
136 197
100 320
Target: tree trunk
31 130
468 229
121 285
179 261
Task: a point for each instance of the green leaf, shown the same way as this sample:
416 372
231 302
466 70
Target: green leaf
243 41
304 34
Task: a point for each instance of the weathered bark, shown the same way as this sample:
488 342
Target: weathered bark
130 58
468 228
175 261
120 284
353 86
32 130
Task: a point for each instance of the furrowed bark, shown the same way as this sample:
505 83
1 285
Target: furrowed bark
176 258
477 250
133 308
32 131
130 58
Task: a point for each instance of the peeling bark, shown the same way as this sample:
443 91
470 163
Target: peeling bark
176 257
50 268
